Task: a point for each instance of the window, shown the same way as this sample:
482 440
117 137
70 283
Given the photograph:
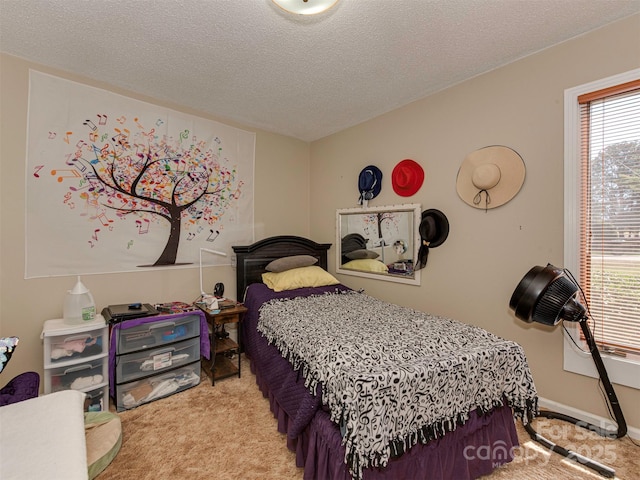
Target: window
602 219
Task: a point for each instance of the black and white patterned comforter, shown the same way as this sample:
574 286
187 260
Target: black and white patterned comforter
392 376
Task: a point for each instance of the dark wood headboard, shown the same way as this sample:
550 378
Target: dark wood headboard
251 260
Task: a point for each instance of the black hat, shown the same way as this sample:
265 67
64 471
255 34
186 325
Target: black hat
434 230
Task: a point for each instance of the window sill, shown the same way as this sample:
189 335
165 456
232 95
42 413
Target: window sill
621 370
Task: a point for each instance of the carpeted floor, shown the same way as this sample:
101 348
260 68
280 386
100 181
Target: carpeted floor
227 432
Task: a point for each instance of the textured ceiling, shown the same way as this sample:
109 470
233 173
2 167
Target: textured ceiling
249 61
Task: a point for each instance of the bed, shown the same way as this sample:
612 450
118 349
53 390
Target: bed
377 400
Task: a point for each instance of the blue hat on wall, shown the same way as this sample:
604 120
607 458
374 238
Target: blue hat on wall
369 183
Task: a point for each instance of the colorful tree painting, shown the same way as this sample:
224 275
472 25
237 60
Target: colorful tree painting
153 178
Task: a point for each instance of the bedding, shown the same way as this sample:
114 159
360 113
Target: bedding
291 262
311 276
366 265
320 444
362 253
392 376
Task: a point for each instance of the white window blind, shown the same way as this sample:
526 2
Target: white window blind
610 214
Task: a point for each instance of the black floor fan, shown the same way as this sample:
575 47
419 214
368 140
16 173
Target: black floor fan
547 295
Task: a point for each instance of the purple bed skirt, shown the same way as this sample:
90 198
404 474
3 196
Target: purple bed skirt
472 450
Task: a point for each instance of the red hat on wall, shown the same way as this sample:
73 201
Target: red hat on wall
407 178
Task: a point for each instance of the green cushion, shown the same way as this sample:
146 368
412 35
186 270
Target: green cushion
104 438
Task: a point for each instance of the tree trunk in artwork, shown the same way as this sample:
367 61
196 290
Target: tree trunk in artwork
170 252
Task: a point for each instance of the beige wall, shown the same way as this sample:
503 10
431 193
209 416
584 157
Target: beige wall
472 275
281 170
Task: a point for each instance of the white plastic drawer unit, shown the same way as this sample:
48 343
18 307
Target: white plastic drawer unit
64 346
150 362
156 334
83 376
132 394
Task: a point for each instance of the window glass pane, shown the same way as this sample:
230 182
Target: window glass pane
610 250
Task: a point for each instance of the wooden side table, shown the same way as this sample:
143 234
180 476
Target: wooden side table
221 364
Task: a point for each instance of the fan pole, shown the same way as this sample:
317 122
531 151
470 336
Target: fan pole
608 387
612 399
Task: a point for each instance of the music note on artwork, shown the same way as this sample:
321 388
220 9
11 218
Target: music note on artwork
129 244
209 239
104 220
66 137
37 169
121 120
73 174
83 184
90 124
142 227
52 135
66 201
102 119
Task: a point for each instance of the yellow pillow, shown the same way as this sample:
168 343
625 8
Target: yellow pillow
312 276
366 265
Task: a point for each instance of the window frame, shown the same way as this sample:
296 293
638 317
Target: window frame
624 371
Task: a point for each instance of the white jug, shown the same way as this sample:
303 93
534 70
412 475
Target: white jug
79 306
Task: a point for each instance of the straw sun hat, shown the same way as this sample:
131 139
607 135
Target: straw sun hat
490 177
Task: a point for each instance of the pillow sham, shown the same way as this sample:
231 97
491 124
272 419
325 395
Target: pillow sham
366 265
287 263
362 253
311 276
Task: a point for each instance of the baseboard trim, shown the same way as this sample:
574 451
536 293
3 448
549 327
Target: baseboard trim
585 416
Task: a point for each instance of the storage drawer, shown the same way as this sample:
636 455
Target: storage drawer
97 400
157 333
130 395
148 362
75 347
81 376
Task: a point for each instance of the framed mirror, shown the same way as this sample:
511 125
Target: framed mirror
379 242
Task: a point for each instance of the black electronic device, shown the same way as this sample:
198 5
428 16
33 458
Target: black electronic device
128 311
218 290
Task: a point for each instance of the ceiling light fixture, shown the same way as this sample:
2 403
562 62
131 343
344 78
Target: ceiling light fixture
305 7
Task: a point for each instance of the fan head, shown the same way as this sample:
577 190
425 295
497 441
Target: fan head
547 295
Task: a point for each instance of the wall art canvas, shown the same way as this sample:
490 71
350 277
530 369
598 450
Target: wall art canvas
114 184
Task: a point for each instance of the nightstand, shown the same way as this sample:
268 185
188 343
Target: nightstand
223 348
